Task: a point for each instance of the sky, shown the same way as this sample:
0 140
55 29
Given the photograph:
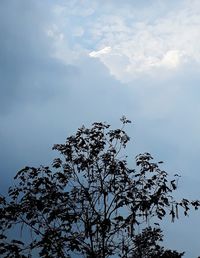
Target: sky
66 63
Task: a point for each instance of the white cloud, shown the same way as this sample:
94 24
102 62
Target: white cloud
131 41
171 59
168 42
101 52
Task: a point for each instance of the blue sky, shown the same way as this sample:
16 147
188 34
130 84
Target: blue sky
68 63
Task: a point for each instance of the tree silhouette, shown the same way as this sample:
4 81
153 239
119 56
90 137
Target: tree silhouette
89 203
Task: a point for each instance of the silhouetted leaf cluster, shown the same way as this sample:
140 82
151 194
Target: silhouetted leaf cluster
89 202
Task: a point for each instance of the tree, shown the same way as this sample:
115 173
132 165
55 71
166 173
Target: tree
89 203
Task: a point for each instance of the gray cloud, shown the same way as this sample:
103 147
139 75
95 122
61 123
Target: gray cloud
28 73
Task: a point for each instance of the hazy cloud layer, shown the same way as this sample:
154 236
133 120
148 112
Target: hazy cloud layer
28 73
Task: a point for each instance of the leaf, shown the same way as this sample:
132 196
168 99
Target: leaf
17 242
119 218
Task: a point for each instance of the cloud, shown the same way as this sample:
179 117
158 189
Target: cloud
28 72
171 59
133 40
101 52
168 42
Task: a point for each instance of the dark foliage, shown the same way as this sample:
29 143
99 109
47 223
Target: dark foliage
90 203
